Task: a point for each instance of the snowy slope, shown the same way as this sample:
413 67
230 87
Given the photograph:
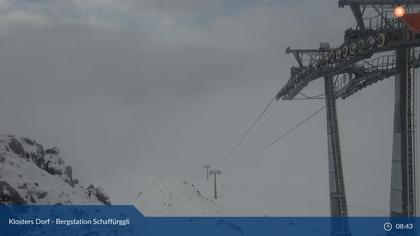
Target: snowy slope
30 174
170 197
162 196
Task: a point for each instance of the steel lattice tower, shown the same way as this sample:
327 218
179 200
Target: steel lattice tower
347 69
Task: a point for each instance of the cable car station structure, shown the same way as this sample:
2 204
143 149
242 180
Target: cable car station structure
377 48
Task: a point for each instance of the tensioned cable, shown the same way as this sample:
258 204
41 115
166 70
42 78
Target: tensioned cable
258 118
247 132
277 139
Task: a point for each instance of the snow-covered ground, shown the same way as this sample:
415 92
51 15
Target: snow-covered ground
164 196
30 174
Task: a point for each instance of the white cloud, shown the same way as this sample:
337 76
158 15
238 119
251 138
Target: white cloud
4 4
137 87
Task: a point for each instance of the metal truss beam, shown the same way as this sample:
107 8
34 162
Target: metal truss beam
357 12
359 76
322 63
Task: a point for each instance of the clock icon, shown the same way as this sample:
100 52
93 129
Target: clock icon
387 227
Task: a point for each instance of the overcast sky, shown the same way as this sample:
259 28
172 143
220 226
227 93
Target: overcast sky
130 89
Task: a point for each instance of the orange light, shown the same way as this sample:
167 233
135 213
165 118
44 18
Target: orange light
399 11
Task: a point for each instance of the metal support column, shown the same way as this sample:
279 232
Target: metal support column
215 173
338 202
215 186
207 167
403 196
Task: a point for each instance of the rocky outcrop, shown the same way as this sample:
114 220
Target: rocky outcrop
54 151
99 193
9 195
16 147
30 174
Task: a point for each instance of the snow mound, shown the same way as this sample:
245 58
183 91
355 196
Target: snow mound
171 197
30 174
